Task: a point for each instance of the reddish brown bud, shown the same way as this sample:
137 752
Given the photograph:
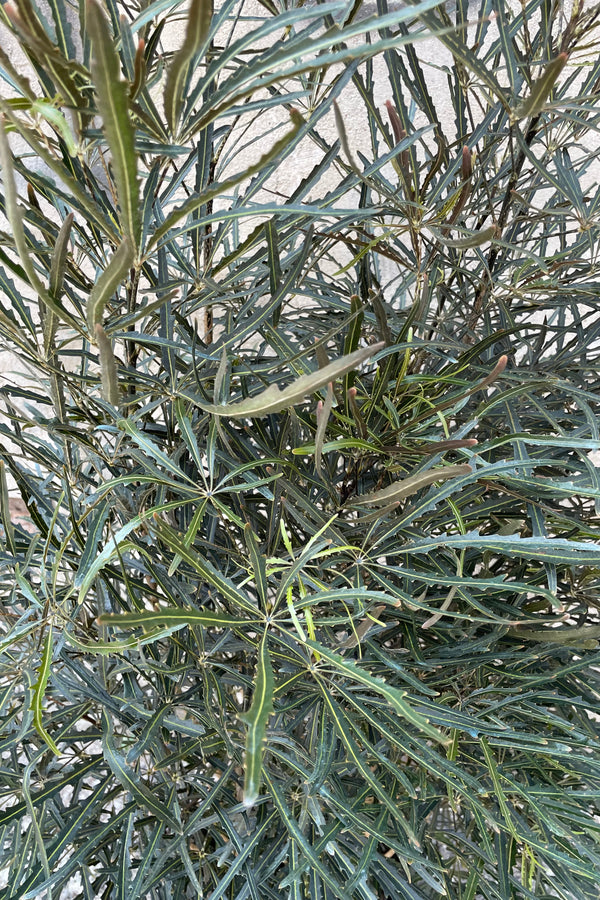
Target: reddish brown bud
467 164
399 132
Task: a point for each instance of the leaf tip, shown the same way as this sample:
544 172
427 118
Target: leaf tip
500 365
13 13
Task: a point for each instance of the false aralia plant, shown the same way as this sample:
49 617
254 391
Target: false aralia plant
299 311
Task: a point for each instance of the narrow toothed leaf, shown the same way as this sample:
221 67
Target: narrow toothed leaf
211 193
128 777
395 697
172 615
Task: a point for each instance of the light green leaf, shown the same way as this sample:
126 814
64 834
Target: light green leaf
540 90
106 648
57 120
116 272
39 689
476 239
172 615
198 25
256 720
14 214
554 550
59 257
323 413
112 99
586 636
274 400
408 486
108 367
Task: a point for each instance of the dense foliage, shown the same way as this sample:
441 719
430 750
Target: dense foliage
305 601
